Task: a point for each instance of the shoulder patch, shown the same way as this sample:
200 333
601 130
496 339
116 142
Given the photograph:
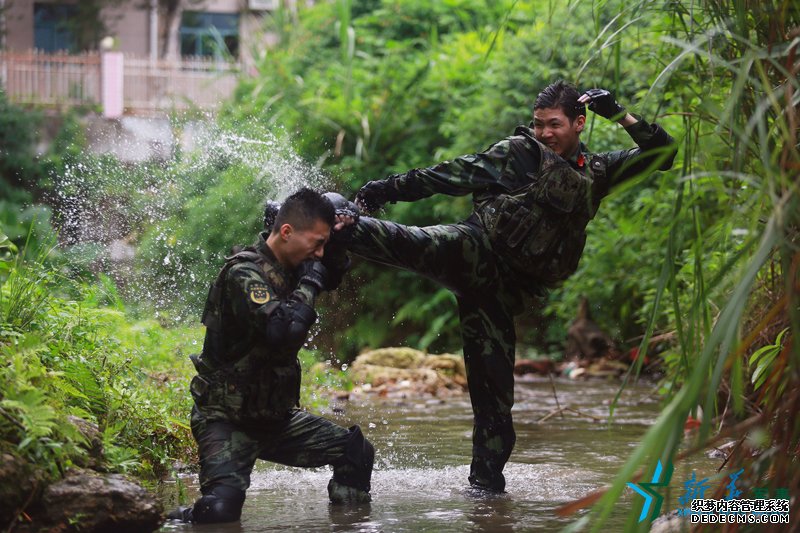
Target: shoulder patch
259 293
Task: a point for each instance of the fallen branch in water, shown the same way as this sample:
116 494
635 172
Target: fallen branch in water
553 386
560 411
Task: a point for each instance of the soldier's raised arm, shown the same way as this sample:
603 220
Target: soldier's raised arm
655 148
281 322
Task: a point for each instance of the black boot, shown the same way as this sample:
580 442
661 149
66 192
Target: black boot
184 514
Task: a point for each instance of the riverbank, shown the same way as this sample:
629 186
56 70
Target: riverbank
423 448
401 372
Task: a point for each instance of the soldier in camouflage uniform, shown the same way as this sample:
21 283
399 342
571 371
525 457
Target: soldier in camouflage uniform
533 193
247 388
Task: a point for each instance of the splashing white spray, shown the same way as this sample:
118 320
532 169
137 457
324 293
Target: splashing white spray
164 225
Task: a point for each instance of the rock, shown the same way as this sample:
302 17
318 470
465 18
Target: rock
448 364
403 372
576 372
93 445
534 366
101 503
602 368
606 368
719 452
20 484
423 379
391 357
585 339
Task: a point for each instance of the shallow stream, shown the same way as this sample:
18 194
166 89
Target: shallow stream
423 450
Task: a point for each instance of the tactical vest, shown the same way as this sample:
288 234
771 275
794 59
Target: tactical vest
539 229
241 379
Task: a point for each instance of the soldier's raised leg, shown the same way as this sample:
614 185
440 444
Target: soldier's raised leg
457 256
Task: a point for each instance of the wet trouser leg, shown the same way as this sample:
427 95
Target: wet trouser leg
487 331
310 440
454 255
460 257
228 452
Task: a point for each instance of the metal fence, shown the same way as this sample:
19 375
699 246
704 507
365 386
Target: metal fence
190 83
148 86
51 79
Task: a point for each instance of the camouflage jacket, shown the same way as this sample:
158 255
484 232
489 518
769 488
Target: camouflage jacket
248 371
534 204
486 172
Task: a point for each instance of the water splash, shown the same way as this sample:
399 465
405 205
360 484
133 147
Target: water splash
175 215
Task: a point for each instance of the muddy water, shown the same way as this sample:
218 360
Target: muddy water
423 449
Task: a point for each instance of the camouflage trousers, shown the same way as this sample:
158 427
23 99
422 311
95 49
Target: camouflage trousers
228 451
460 257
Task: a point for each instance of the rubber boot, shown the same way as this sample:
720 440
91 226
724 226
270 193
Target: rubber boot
344 495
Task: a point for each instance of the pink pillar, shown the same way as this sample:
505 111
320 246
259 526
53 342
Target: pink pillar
111 73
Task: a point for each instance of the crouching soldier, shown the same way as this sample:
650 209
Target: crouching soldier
246 392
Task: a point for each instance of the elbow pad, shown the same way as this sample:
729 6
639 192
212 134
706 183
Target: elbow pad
289 324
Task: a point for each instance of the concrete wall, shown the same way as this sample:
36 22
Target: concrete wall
129 22
130 25
219 6
19 24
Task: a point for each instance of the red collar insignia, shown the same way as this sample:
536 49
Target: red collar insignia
581 160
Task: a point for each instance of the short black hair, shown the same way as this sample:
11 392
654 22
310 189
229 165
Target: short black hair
302 209
561 95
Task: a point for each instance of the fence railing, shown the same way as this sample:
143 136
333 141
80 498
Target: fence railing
50 79
190 83
147 87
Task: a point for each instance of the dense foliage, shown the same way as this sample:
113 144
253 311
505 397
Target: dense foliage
71 351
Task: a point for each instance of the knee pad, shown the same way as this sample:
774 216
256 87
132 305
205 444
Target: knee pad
221 504
356 470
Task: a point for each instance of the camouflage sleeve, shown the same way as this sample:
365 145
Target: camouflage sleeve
461 176
655 150
254 301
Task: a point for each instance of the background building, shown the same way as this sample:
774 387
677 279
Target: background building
172 53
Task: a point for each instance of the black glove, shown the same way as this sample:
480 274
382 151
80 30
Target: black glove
373 195
313 273
337 262
603 103
344 207
271 208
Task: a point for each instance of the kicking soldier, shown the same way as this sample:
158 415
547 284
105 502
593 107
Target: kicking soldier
533 195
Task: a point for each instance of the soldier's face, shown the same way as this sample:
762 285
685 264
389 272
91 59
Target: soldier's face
304 244
552 127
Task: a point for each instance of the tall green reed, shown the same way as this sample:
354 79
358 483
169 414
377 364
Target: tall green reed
737 63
